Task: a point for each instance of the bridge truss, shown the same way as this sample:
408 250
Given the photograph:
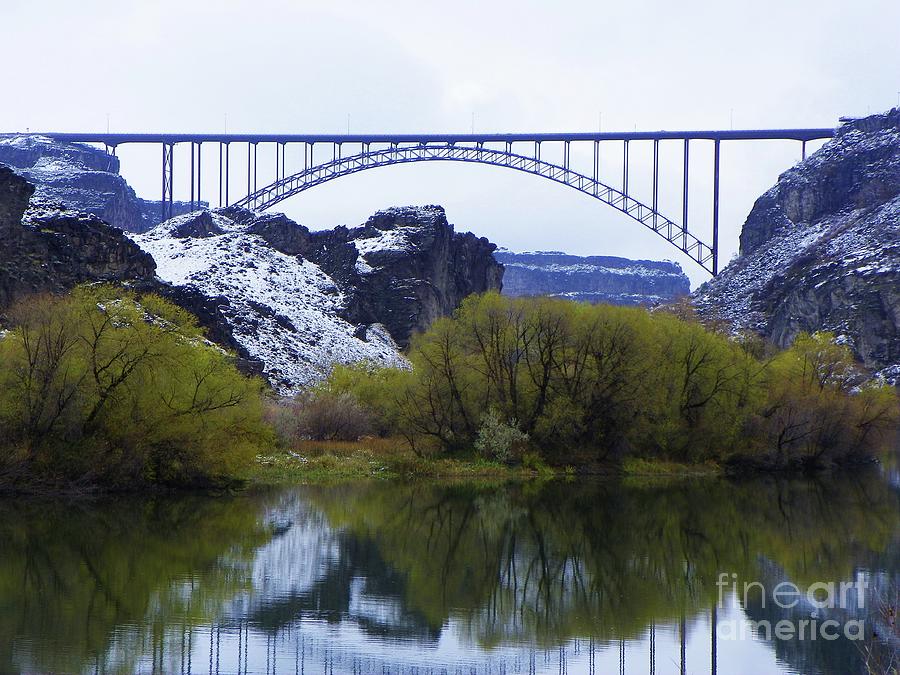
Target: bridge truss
346 154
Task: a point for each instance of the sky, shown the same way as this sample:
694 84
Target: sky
279 66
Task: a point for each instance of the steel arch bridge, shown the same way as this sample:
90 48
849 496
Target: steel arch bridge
523 152
648 216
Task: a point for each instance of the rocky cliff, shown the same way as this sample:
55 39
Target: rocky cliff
405 267
301 301
597 279
821 249
48 248
82 178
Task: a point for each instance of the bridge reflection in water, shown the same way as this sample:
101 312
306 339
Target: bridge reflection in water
578 577
560 157
240 649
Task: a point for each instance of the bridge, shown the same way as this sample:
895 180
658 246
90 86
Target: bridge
327 157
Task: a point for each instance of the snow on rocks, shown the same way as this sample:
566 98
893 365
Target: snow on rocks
600 279
821 249
284 310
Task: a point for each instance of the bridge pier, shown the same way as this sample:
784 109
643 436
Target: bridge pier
192 176
168 151
220 175
199 172
655 179
715 224
684 197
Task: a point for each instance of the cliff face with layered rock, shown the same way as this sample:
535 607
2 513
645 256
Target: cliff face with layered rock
405 267
301 301
82 178
597 279
821 249
48 248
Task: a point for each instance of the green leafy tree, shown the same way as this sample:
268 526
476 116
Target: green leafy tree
100 387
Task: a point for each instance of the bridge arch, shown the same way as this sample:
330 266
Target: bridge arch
676 234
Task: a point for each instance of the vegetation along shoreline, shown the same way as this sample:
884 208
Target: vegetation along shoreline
107 390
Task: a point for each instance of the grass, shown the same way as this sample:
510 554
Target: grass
385 458
378 458
636 466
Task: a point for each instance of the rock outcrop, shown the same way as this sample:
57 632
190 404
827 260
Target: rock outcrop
301 301
405 267
82 178
597 279
48 248
821 249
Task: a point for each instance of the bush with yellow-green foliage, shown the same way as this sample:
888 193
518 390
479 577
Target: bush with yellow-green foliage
597 383
100 388
819 409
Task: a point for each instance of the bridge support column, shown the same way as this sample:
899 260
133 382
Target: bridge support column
227 172
803 150
625 168
684 196
168 150
596 166
220 175
715 233
199 171
192 175
655 180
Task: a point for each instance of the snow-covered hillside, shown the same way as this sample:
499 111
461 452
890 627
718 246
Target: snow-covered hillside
284 310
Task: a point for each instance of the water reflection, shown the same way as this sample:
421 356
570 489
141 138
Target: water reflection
385 577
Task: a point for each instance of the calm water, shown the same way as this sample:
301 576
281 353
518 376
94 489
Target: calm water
580 577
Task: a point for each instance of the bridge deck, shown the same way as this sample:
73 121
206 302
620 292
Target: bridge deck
113 139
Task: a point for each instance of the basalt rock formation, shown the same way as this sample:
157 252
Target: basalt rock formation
48 248
597 279
821 249
406 267
301 301
82 178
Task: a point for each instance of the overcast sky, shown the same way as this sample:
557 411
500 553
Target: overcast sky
419 66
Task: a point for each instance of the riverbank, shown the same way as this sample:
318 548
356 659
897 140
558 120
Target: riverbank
324 462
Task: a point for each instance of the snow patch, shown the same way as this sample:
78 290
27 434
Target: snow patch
284 310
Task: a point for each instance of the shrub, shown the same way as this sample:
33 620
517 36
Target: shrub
326 416
497 439
321 415
97 387
819 409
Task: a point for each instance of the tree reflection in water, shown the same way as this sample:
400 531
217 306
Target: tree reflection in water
575 577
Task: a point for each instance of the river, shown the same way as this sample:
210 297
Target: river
471 578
